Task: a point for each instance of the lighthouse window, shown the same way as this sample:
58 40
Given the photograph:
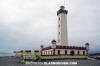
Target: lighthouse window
59 18
59 32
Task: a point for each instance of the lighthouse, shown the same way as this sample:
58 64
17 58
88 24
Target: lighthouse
62 26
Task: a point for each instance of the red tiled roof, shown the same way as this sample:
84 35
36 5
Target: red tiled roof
21 51
62 11
36 51
53 41
65 47
27 50
87 44
70 47
41 46
46 48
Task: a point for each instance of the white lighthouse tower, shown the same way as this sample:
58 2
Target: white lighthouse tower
62 26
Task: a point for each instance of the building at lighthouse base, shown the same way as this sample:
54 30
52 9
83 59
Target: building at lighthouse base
63 52
55 52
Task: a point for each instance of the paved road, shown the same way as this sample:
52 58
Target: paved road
12 61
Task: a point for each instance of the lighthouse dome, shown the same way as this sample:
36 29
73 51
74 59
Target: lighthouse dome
62 10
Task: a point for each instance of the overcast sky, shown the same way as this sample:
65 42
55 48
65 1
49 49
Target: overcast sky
26 24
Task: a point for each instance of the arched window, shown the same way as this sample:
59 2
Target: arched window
58 52
78 53
65 52
72 53
83 52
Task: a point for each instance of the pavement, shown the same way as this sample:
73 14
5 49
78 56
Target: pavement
12 61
